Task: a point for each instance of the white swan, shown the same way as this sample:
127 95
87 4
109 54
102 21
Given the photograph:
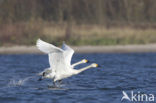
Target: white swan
68 53
61 67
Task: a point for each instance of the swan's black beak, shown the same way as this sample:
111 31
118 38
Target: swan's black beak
88 61
99 66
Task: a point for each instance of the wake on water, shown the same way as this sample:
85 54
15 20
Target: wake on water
19 82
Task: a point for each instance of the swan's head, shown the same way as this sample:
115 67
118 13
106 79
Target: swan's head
45 75
85 61
94 65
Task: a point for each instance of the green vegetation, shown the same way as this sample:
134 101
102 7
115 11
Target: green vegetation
80 22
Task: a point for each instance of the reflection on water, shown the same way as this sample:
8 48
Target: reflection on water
118 72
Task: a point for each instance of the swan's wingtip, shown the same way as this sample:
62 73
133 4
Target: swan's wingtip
64 42
38 39
98 65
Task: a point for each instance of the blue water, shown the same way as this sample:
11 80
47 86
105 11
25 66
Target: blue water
118 72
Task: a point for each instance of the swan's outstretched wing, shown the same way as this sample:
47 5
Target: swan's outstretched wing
46 47
68 53
56 57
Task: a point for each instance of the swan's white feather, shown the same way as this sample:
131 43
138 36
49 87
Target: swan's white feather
46 47
57 60
68 53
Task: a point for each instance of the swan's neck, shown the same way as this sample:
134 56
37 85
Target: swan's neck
75 64
83 69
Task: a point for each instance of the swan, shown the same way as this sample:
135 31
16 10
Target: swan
68 53
59 64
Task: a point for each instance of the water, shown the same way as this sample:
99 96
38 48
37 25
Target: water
118 72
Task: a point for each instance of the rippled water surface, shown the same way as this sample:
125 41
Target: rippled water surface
118 72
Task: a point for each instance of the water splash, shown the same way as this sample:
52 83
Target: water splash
19 82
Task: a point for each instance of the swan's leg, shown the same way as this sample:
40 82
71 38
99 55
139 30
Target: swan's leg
57 83
60 82
54 84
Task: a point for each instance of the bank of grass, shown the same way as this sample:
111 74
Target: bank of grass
100 35
27 33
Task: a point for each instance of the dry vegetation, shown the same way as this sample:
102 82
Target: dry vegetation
27 34
100 35
81 22
19 33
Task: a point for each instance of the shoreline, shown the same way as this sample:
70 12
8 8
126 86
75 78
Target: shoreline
84 49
